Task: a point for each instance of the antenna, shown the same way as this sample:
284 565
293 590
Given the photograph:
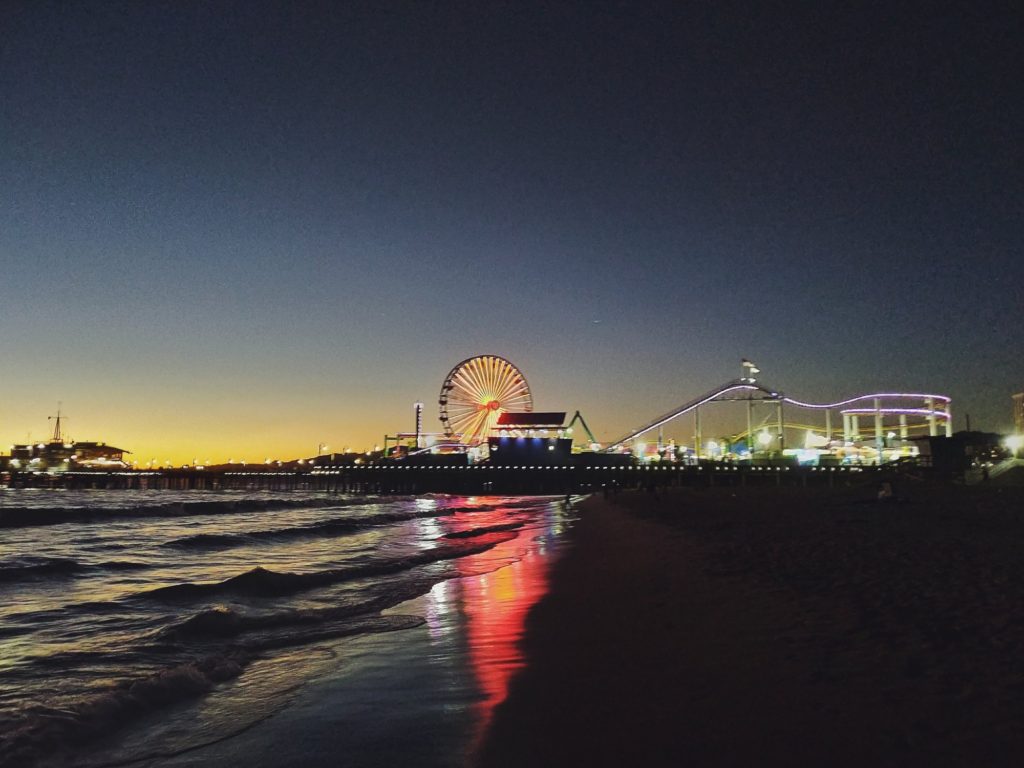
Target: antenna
57 435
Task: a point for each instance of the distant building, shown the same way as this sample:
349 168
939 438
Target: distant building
529 439
89 454
58 456
1018 413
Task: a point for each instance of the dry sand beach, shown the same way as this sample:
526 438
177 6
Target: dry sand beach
778 627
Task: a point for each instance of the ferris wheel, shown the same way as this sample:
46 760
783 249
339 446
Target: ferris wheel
476 392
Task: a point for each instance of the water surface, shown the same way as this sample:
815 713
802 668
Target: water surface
172 620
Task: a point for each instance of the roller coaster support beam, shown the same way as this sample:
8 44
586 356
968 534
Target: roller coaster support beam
579 417
782 427
879 436
750 426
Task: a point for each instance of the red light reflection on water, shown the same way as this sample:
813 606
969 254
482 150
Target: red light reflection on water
495 603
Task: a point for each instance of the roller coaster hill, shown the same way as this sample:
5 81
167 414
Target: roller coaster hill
870 429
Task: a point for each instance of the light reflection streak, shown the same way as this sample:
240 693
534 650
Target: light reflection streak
437 606
496 592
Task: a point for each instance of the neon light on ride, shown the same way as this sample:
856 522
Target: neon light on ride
880 395
749 384
920 411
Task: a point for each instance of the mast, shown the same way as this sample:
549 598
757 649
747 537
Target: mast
58 436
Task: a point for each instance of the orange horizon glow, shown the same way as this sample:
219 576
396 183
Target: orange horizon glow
176 430
180 450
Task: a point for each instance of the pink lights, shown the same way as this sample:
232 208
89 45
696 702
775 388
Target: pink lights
908 411
935 407
879 396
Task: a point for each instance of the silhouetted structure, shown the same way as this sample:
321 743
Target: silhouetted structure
959 452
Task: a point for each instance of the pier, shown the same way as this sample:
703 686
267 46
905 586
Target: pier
400 478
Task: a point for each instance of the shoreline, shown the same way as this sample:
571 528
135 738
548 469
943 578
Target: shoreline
799 627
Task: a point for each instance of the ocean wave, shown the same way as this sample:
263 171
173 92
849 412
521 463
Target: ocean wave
471 533
333 631
477 508
261 582
9 630
212 622
225 622
32 567
532 503
67 659
19 517
42 731
327 528
123 565
182 631
206 541
39 617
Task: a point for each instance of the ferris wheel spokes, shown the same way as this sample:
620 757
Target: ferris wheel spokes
475 394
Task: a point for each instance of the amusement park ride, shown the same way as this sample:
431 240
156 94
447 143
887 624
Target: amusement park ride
476 392
485 402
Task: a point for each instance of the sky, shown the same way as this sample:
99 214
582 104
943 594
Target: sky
243 229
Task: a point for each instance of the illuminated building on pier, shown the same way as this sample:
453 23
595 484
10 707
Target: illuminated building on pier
59 454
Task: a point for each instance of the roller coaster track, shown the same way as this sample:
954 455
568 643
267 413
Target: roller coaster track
938 405
735 385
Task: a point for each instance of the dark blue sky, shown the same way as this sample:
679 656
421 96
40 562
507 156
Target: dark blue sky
251 226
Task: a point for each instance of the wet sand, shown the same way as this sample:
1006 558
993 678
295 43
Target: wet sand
777 627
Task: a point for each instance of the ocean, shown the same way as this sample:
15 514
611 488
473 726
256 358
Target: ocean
149 626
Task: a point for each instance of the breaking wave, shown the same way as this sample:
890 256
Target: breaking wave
261 582
42 730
